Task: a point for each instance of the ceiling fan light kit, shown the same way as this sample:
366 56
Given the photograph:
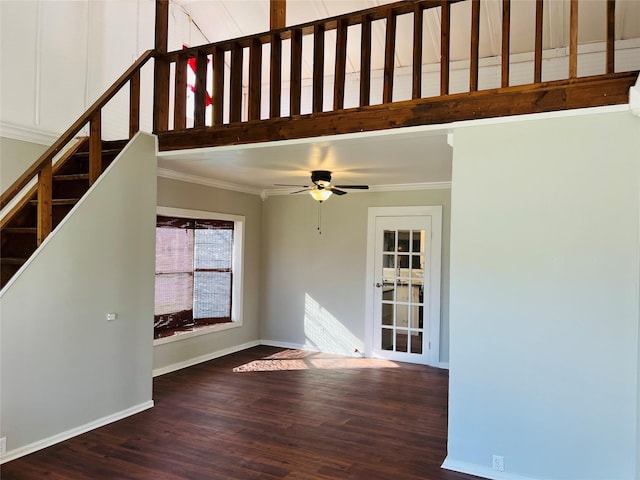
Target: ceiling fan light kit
322 189
320 194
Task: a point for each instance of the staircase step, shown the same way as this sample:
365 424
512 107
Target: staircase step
59 201
17 230
106 152
12 261
76 176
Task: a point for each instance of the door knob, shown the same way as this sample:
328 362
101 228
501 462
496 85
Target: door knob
379 285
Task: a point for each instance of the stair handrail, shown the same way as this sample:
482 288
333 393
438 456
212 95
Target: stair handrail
132 74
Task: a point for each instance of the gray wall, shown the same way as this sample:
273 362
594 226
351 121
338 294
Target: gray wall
544 298
63 366
15 157
179 194
302 269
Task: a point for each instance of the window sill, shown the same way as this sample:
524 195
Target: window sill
196 332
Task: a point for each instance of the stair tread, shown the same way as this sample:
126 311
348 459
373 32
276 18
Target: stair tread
72 176
59 201
20 230
108 151
12 260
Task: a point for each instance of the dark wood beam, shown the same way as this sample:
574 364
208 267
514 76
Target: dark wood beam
200 93
255 80
517 100
318 68
275 96
295 88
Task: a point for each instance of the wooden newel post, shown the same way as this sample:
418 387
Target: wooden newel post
45 210
95 148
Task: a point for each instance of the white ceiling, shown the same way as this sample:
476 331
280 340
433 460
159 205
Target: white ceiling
407 156
398 157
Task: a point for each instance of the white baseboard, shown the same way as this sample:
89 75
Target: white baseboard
294 346
482 471
74 432
203 358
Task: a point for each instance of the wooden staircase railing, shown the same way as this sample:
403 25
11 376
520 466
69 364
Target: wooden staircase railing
42 168
239 115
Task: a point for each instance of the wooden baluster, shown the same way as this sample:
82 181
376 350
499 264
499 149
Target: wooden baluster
506 40
416 90
537 69
445 22
218 86
275 76
475 45
341 65
200 90
235 85
278 14
389 57
573 40
365 63
95 147
134 104
318 67
45 209
611 35
161 71
295 89
255 79
180 94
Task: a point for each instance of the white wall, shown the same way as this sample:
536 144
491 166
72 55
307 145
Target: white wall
15 157
303 270
59 57
180 194
63 367
544 298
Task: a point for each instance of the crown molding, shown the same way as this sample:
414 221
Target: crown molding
27 134
207 182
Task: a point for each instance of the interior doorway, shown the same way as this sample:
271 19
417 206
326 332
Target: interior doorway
403 284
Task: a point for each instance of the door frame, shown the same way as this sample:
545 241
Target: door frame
433 329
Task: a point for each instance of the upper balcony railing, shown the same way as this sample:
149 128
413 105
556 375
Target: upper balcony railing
213 96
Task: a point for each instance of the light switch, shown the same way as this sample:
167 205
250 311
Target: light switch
111 316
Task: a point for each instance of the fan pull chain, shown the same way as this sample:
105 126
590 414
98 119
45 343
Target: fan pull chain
319 219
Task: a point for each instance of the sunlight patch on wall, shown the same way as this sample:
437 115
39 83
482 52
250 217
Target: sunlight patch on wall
325 333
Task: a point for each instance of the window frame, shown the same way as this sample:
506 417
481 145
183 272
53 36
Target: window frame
237 278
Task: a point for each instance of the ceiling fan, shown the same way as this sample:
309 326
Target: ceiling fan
321 187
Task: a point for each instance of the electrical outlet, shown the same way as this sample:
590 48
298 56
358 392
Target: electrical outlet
498 463
3 445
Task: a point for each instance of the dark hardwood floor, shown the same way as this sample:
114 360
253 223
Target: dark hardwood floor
268 413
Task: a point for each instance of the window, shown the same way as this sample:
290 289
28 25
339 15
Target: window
198 271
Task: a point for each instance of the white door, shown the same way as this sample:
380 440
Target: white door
403 290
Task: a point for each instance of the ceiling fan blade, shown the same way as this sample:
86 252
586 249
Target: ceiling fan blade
299 191
288 185
336 191
359 187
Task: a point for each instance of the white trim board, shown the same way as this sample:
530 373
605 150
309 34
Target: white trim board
203 358
482 471
74 432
